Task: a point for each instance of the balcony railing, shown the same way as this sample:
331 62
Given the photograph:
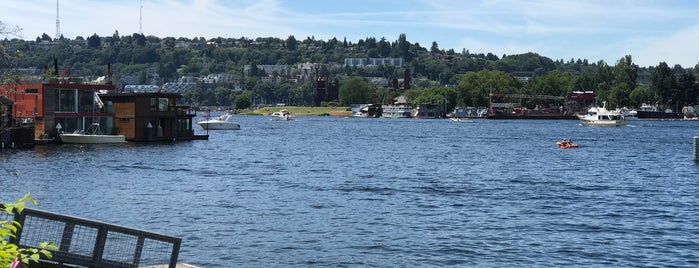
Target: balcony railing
92 243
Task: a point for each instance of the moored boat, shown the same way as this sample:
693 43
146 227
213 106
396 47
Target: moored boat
628 114
647 111
92 135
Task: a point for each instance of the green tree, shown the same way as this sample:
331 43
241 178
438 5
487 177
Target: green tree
555 83
370 42
662 82
403 48
94 41
475 88
242 101
291 43
638 96
688 89
435 48
354 91
45 37
625 75
384 48
603 81
444 96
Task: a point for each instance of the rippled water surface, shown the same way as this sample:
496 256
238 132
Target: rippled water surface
326 191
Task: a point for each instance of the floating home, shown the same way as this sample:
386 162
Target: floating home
153 116
64 105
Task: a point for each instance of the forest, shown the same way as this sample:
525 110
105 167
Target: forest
440 76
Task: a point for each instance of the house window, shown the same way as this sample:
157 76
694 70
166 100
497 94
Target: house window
31 91
159 104
86 101
162 105
67 101
153 104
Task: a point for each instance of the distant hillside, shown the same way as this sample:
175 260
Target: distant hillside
274 70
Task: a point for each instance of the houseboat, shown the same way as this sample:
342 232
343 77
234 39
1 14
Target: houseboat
66 105
521 106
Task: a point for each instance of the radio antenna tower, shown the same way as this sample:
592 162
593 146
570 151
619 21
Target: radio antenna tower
58 24
140 19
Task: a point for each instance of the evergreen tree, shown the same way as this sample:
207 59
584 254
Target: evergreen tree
94 41
291 43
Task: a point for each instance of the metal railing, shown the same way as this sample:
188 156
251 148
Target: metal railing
92 243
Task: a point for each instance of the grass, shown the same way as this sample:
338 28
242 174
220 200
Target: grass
302 110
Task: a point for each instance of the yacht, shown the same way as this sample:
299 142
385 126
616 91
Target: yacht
600 116
223 122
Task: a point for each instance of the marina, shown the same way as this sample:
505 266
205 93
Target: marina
495 193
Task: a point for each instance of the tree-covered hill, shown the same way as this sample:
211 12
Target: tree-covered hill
155 60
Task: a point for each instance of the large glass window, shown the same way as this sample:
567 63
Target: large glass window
66 101
86 101
159 104
162 105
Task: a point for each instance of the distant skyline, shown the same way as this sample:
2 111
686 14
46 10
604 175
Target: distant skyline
650 31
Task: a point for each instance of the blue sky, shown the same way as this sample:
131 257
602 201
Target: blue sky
650 31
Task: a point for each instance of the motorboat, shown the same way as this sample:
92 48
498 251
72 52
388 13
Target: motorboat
461 119
222 122
282 115
600 116
93 135
628 113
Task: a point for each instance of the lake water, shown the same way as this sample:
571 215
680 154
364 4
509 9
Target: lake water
357 192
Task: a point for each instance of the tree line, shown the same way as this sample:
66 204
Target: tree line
457 78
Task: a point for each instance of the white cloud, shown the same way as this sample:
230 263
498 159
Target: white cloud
588 29
678 47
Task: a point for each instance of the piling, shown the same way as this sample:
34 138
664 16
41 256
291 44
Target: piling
696 149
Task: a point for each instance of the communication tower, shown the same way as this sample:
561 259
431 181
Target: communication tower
58 23
140 19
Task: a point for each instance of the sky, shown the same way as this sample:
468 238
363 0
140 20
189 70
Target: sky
650 31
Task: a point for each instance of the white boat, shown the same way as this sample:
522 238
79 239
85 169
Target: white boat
282 115
628 114
461 119
92 135
222 122
600 116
